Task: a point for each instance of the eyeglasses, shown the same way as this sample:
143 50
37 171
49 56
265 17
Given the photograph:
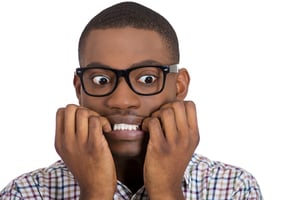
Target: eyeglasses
99 81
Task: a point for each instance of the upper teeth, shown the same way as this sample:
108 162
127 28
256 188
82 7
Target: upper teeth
122 127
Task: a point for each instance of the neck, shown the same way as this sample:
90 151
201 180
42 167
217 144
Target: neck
130 171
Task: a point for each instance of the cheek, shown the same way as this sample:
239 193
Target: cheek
166 96
92 103
153 103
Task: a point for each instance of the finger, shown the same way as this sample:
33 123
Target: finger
69 121
169 124
59 129
145 124
81 125
185 115
105 125
153 126
181 118
192 119
96 138
157 113
174 119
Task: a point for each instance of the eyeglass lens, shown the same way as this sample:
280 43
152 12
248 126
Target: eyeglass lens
144 80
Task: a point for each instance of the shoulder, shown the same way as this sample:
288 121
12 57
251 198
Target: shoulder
219 177
39 183
217 168
42 176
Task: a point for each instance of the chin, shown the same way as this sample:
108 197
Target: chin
129 149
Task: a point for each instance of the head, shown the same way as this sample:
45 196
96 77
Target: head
126 36
130 14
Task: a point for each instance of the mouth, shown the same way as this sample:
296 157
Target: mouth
126 127
125 132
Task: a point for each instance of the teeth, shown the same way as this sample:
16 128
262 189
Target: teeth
123 127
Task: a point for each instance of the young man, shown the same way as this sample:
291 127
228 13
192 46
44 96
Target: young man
132 136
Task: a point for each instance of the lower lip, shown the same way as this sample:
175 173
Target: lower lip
125 135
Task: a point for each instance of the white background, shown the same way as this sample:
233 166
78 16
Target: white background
244 60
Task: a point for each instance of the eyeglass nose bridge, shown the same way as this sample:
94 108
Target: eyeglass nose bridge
125 74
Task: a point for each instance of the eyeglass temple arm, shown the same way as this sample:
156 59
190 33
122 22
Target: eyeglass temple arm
173 68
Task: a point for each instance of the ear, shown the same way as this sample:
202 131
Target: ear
77 86
182 84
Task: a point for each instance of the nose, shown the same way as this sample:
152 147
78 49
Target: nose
123 97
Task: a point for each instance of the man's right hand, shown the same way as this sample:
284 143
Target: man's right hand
80 142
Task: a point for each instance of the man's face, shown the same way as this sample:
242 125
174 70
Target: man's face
121 49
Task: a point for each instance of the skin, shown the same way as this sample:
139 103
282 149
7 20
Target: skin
98 156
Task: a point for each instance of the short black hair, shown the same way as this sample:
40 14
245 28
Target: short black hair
131 14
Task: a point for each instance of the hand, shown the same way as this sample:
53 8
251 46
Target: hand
174 137
80 142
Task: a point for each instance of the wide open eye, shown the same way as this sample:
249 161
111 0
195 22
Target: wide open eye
147 79
101 80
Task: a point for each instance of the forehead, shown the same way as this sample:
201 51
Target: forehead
122 47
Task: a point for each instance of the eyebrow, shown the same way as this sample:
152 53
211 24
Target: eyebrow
137 64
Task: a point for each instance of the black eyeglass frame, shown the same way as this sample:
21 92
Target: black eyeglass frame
125 73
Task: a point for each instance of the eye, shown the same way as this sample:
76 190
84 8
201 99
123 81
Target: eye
101 79
147 79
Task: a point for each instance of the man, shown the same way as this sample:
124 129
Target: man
132 136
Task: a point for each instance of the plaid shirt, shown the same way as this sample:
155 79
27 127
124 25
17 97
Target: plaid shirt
203 179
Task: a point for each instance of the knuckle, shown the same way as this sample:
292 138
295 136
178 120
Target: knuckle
159 148
153 121
63 149
82 112
57 148
90 149
93 122
196 140
60 112
167 112
68 149
71 107
190 105
178 104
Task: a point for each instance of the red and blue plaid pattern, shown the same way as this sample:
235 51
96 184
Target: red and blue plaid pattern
203 179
